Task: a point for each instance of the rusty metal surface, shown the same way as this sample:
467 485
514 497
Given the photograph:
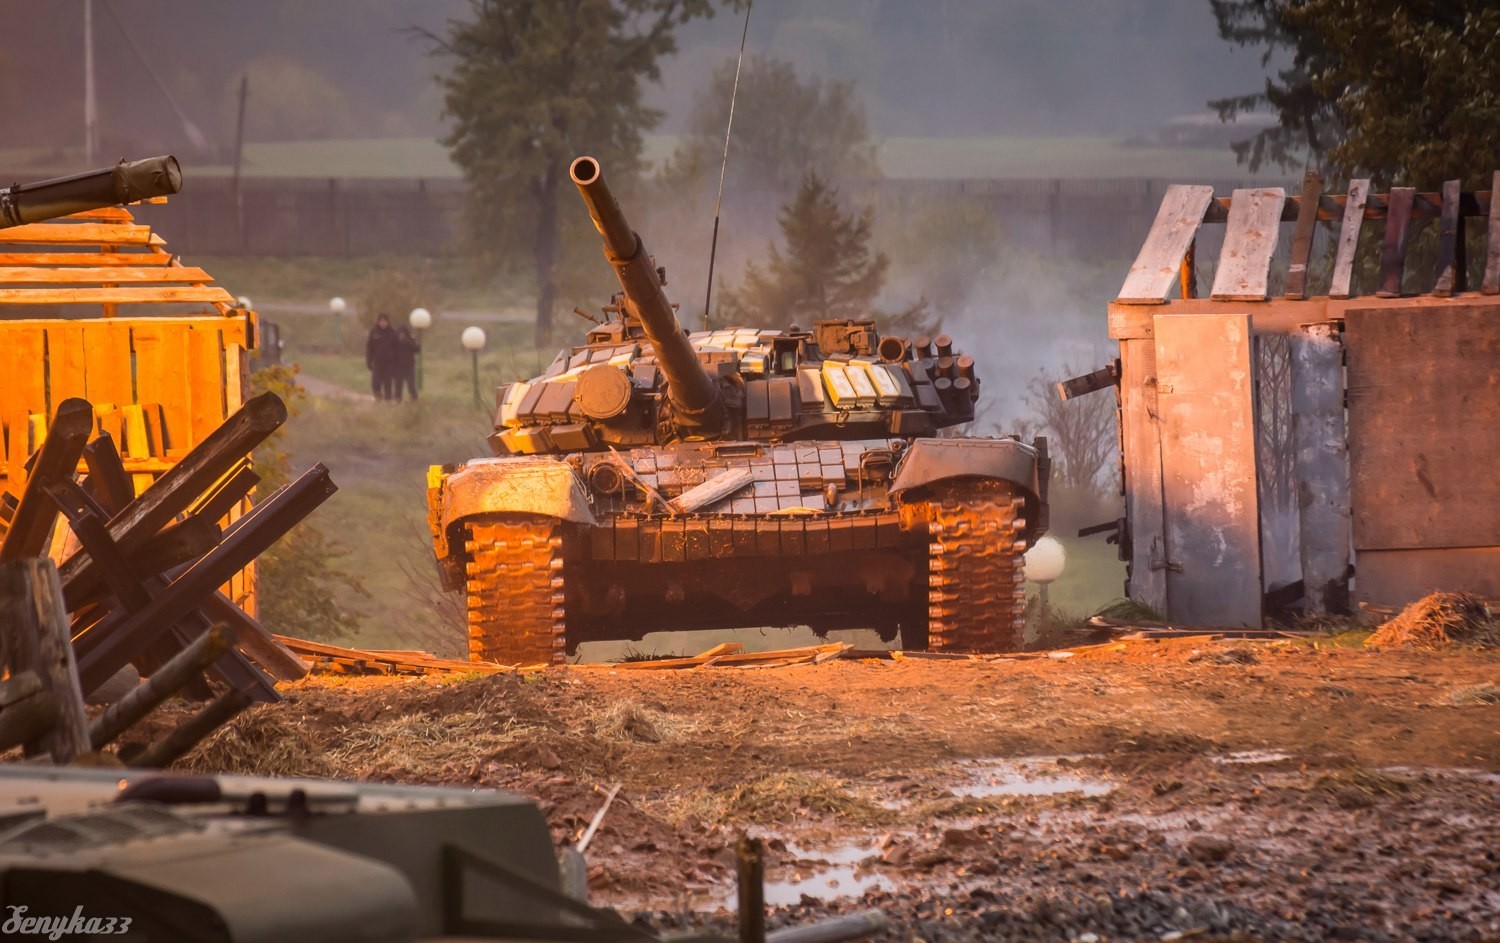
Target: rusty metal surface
976 596
515 591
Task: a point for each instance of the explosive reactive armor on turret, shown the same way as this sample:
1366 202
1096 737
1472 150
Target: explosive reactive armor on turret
125 182
657 480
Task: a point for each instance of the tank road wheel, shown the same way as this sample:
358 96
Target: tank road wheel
976 600
515 590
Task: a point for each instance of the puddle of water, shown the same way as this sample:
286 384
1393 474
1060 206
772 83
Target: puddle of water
844 880
1037 776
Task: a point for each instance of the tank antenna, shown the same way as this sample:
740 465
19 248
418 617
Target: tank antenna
713 249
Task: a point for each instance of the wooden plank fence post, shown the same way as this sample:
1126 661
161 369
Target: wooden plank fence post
1211 510
1140 437
34 636
1319 435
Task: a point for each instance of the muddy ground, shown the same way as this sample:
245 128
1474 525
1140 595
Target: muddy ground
1230 790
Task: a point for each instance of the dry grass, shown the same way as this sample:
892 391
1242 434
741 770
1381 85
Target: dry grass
779 798
633 722
1438 621
1470 695
423 742
261 742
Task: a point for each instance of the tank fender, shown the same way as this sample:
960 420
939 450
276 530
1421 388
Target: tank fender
932 460
498 485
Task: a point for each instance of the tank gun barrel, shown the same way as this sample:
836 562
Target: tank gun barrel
125 182
694 394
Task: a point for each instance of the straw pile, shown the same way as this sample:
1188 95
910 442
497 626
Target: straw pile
1438 621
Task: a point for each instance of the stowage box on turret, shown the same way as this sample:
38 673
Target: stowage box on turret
655 480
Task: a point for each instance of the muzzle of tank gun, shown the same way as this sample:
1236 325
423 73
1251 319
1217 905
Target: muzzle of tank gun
694 394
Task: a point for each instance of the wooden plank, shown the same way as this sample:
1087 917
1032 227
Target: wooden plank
1140 437
1249 242
1450 273
1156 266
97 234
1331 207
1491 283
1205 399
161 376
65 364
1322 463
23 370
1424 426
205 384
1187 275
57 458
235 328
1275 316
137 295
33 275
1348 245
1393 244
1394 578
113 259
107 366
1307 220
34 633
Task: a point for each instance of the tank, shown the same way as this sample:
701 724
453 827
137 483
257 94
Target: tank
125 182
658 480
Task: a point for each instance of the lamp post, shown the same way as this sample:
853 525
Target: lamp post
420 320
1044 563
337 306
473 341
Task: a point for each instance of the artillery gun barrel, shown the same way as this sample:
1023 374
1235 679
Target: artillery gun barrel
125 182
694 394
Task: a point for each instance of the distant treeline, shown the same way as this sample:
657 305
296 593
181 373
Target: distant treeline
1080 218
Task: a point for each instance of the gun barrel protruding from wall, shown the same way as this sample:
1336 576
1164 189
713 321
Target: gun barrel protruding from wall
125 182
694 394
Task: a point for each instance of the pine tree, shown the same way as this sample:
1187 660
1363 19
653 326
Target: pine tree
826 271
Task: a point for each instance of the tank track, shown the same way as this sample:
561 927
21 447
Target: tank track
514 585
976 598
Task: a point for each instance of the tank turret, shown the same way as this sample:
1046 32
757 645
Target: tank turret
697 404
125 182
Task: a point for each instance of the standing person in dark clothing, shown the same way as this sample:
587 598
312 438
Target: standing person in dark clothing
380 358
406 362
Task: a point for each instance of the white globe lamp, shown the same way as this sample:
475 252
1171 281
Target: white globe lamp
337 305
1044 563
473 341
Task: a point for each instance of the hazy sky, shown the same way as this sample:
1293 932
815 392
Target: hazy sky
342 68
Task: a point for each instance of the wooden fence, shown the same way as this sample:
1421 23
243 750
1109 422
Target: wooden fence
160 375
1393 403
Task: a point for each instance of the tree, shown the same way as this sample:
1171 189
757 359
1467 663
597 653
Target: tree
1408 93
827 270
784 127
533 84
1080 432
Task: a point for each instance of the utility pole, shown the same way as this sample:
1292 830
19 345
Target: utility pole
239 158
90 106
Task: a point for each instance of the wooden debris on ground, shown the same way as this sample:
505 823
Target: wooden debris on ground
334 659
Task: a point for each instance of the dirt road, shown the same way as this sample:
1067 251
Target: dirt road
1221 791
